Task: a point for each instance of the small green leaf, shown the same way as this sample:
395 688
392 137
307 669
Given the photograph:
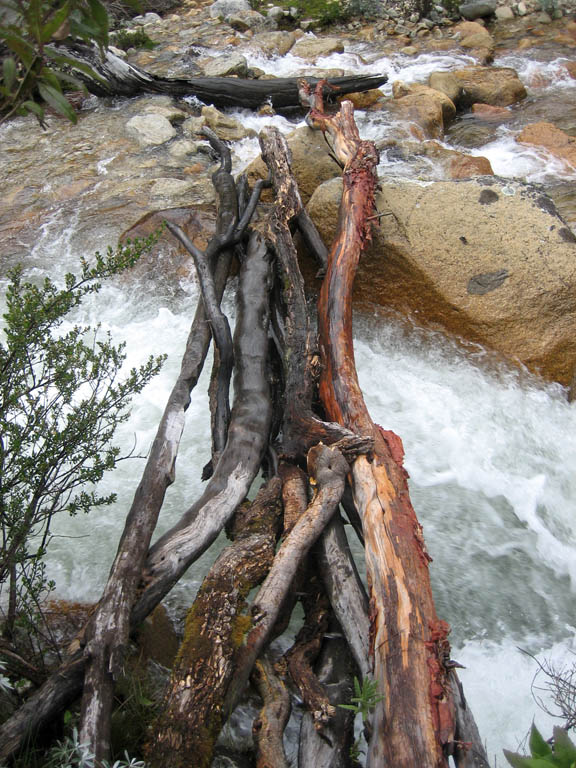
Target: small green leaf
563 746
539 747
519 761
54 24
57 101
9 72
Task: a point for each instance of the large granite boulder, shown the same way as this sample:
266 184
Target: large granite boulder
431 110
498 86
486 259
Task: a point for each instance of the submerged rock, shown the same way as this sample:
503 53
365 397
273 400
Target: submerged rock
551 138
486 259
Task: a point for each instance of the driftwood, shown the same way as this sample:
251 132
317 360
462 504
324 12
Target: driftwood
193 714
119 78
414 722
268 727
392 635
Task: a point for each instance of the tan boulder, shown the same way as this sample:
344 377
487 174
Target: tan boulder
490 113
550 137
274 43
224 126
311 48
488 260
467 166
364 99
312 162
497 86
430 109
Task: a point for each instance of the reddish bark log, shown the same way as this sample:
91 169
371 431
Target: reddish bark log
413 724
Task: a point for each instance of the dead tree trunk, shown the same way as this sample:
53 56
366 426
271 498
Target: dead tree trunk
268 728
413 725
193 704
119 78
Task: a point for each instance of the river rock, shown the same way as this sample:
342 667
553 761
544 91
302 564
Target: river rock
497 86
312 162
274 43
500 270
548 136
224 126
430 109
226 66
245 20
504 13
150 130
311 48
223 8
477 10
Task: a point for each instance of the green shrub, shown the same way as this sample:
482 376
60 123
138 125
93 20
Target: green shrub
124 40
34 72
562 753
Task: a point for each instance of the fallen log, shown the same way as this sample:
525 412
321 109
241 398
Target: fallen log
268 727
242 456
329 468
414 723
117 77
193 714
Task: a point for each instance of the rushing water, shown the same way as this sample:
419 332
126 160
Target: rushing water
491 451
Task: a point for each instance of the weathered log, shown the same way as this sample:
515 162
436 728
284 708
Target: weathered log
268 727
108 630
346 592
331 747
329 468
304 652
119 78
301 428
193 704
414 723
469 751
240 461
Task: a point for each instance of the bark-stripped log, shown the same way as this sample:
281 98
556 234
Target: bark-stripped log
329 468
331 747
240 461
469 752
346 592
108 630
301 427
268 727
192 715
119 78
414 723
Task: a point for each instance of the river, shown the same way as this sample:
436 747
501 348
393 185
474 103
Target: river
490 449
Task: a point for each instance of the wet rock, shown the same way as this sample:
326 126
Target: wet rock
150 130
477 10
365 99
170 188
312 162
496 272
274 43
226 66
467 166
147 18
490 113
430 109
224 126
504 13
497 86
311 48
551 138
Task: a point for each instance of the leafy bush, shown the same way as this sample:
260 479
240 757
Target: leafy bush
61 399
34 70
139 39
562 754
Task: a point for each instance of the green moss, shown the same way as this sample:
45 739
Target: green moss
139 39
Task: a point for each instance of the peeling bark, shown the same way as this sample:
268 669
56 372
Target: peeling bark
413 724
